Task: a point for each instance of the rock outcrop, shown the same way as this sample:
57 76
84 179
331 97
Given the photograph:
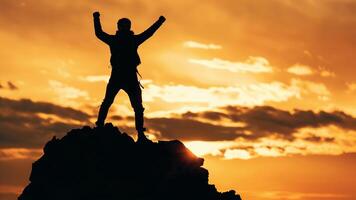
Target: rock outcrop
105 164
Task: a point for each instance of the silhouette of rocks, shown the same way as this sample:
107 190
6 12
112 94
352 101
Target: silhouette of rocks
105 164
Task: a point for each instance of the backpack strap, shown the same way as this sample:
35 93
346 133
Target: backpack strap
139 81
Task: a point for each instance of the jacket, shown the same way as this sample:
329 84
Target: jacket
124 45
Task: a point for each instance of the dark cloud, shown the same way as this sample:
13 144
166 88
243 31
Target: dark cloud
116 117
319 139
21 126
29 106
265 120
12 86
211 115
261 121
189 129
189 114
214 115
29 130
130 118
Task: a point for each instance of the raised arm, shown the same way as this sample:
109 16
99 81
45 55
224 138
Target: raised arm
98 30
151 30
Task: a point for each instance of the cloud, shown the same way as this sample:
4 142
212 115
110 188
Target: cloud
230 132
299 195
351 87
310 87
198 45
65 91
331 140
327 73
22 124
305 70
250 123
251 65
253 124
94 78
195 98
27 106
10 85
117 117
250 94
301 70
334 141
237 153
29 131
265 120
187 129
19 153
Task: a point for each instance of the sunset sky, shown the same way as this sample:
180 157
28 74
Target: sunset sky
264 90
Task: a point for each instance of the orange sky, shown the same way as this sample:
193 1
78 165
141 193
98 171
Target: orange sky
264 90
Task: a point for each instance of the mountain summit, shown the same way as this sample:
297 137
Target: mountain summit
105 164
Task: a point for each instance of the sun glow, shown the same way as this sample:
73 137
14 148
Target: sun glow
201 148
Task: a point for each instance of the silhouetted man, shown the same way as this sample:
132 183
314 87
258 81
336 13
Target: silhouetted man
124 61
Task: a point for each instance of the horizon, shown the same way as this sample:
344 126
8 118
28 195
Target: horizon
264 91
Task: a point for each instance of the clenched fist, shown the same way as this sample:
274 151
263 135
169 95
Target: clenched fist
162 18
96 14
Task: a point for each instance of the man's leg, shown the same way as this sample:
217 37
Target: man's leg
135 95
111 90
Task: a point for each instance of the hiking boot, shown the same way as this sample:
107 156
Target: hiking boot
142 139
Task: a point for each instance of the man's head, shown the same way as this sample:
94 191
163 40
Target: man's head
124 24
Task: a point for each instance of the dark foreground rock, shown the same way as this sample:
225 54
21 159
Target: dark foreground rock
105 164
